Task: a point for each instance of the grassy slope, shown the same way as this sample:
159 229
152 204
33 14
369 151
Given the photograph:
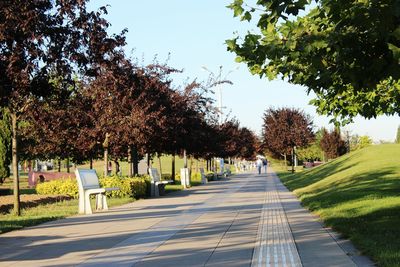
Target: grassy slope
358 195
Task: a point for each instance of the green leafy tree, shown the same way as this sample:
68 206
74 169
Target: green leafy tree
358 142
346 52
5 145
397 141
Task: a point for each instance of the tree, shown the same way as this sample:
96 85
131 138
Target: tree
5 145
40 39
397 141
332 143
346 52
284 129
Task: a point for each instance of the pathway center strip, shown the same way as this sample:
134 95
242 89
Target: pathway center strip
275 245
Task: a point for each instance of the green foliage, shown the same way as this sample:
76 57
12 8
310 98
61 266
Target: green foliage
5 145
129 187
67 187
310 153
358 142
365 141
346 52
358 195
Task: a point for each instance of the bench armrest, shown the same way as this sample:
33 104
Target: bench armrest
95 191
161 182
112 189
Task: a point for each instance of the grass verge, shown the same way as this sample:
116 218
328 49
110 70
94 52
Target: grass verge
49 212
357 195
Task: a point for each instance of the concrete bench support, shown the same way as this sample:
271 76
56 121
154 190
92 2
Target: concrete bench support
88 184
203 176
157 184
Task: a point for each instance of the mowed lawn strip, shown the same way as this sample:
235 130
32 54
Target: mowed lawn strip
358 195
48 212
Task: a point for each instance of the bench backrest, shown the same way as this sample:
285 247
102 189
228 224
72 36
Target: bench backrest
87 179
155 177
201 171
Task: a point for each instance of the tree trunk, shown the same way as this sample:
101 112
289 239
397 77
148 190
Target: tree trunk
185 163
91 163
105 162
59 165
68 170
135 159
130 169
292 160
116 167
17 209
284 158
105 146
159 164
148 162
173 167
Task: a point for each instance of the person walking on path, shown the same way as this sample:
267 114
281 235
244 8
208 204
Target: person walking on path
265 164
259 164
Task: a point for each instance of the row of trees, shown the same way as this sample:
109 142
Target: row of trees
289 131
68 91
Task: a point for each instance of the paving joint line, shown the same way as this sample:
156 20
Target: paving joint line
222 237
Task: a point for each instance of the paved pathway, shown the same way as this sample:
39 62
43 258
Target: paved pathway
247 220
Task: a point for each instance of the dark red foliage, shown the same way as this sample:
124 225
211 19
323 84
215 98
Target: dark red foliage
332 143
285 128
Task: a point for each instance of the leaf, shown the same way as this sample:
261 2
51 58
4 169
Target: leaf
246 16
395 51
231 43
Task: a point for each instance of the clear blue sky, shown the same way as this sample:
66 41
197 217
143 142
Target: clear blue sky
193 33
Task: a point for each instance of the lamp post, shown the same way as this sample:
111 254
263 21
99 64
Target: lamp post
218 79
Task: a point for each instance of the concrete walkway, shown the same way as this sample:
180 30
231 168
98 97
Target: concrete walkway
246 220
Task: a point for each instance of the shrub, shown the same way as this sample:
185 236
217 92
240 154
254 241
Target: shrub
129 187
195 177
67 187
132 187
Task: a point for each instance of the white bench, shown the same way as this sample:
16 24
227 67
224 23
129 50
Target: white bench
203 176
156 182
88 184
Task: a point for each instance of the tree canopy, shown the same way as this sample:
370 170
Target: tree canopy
332 143
346 52
286 128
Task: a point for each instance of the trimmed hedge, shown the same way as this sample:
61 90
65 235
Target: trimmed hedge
64 187
129 187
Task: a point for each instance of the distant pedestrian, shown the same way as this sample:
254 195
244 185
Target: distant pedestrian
259 164
265 164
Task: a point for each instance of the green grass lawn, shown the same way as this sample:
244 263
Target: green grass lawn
43 213
358 195
48 212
